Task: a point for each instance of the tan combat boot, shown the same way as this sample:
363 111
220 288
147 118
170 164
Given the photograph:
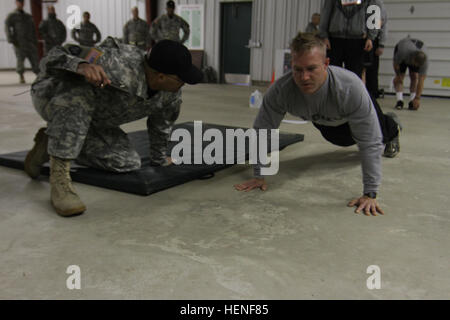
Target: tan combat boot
22 79
64 197
38 155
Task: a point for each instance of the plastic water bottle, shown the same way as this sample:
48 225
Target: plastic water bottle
256 99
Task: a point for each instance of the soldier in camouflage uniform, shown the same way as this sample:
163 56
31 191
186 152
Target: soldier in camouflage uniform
168 26
84 35
52 30
136 31
123 85
20 31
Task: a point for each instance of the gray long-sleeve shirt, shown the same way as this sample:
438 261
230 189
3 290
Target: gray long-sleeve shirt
342 98
349 22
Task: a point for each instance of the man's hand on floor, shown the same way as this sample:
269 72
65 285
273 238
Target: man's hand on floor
94 74
366 205
256 183
415 104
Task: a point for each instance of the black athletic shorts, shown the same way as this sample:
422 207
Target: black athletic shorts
405 66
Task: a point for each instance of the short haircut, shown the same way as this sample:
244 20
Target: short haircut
419 58
316 14
86 13
21 1
304 42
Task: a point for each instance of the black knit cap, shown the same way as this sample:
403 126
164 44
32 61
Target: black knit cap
171 57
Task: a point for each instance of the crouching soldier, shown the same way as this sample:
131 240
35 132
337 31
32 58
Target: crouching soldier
85 94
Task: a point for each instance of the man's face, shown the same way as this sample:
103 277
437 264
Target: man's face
135 13
163 82
171 83
86 17
19 5
316 20
309 70
51 10
170 11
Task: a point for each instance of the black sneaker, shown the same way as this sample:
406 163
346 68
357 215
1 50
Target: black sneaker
392 148
399 105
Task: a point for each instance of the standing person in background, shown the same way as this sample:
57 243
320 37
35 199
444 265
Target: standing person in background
52 30
136 31
410 54
20 31
85 33
167 27
343 25
378 49
313 26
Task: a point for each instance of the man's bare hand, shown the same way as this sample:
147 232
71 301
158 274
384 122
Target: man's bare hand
369 45
94 74
416 104
256 183
366 205
169 162
379 52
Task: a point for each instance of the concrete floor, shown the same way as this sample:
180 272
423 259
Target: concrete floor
203 240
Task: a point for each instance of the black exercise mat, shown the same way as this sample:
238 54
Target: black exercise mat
148 179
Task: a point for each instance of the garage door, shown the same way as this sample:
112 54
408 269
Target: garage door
428 21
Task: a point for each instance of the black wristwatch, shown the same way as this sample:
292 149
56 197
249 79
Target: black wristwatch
371 195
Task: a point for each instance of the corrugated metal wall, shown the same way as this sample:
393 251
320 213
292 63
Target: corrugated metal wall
429 21
7 57
274 23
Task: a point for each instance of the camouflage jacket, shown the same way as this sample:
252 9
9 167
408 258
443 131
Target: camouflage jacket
136 32
20 30
53 32
84 34
126 100
165 28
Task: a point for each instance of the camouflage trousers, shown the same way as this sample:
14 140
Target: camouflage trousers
30 53
73 134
